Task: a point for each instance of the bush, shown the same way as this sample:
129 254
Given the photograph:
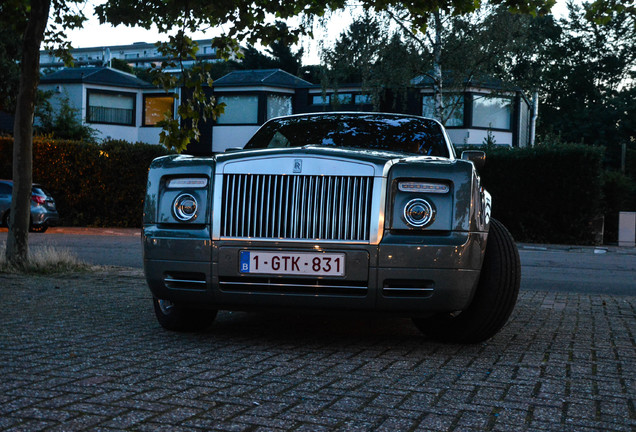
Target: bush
93 185
548 193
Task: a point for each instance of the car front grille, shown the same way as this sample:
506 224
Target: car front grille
298 207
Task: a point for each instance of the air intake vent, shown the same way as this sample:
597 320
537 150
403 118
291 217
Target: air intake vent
296 207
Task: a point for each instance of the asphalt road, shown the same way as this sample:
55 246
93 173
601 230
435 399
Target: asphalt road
607 270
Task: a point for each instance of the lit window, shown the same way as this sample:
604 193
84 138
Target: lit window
157 107
278 105
492 112
238 110
111 108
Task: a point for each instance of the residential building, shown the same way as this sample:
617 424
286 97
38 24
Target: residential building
116 104
138 55
121 106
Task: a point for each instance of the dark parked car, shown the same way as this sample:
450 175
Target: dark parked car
331 211
43 211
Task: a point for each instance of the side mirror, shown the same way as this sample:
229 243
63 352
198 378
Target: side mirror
477 157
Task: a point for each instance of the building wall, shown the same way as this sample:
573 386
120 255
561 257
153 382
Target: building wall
77 95
224 137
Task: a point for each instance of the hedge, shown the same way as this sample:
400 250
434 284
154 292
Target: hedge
546 193
93 184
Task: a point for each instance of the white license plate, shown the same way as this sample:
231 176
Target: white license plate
292 263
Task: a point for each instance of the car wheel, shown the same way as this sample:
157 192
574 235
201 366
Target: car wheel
494 299
5 219
38 228
175 317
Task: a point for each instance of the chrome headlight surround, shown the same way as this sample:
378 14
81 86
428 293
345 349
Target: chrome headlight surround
185 207
419 213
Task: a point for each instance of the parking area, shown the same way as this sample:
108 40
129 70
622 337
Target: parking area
84 352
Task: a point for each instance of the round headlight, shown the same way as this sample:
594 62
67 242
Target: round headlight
185 207
418 212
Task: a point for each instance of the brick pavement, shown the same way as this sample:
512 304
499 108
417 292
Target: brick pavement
84 352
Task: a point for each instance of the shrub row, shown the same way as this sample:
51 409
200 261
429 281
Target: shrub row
547 193
93 184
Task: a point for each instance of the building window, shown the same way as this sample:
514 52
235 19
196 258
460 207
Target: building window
238 110
111 108
363 99
278 105
343 98
492 112
453 108
156 108
321 99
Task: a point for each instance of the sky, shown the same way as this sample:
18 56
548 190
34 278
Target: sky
92 34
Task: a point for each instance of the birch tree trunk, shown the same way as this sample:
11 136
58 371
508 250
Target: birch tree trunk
438 111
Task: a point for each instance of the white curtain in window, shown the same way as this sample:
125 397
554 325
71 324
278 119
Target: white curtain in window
278 105
108 100
241 109
492 112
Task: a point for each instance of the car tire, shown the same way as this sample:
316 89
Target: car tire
5 219
38 228
494 299
175 317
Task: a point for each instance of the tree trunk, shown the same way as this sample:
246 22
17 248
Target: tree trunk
438 111
18 240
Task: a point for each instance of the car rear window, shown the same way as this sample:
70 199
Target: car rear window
37 190
368 131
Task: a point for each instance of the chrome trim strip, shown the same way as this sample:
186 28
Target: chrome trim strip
406 289
294 240
361 288
166 279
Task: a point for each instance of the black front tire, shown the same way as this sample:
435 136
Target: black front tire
39 228
494 299
175 317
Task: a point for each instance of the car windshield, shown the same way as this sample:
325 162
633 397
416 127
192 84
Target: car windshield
365 131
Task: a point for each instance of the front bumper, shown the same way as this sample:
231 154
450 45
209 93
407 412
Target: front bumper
403 274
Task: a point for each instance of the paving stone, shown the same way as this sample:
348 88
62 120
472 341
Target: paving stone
565 361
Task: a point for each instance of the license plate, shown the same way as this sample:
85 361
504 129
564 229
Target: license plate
296 263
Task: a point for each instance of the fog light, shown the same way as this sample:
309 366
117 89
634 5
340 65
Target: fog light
185 207
419 212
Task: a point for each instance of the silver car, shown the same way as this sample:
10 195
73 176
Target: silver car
43 211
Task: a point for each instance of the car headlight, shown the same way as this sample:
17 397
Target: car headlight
419 212
185 207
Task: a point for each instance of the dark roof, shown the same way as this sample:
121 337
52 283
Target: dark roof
449 82
261 77
95 75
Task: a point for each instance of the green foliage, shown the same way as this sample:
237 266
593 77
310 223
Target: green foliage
550 193
121 65
93 185
587 83
65 123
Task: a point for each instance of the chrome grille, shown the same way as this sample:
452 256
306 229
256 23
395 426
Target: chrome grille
296 207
